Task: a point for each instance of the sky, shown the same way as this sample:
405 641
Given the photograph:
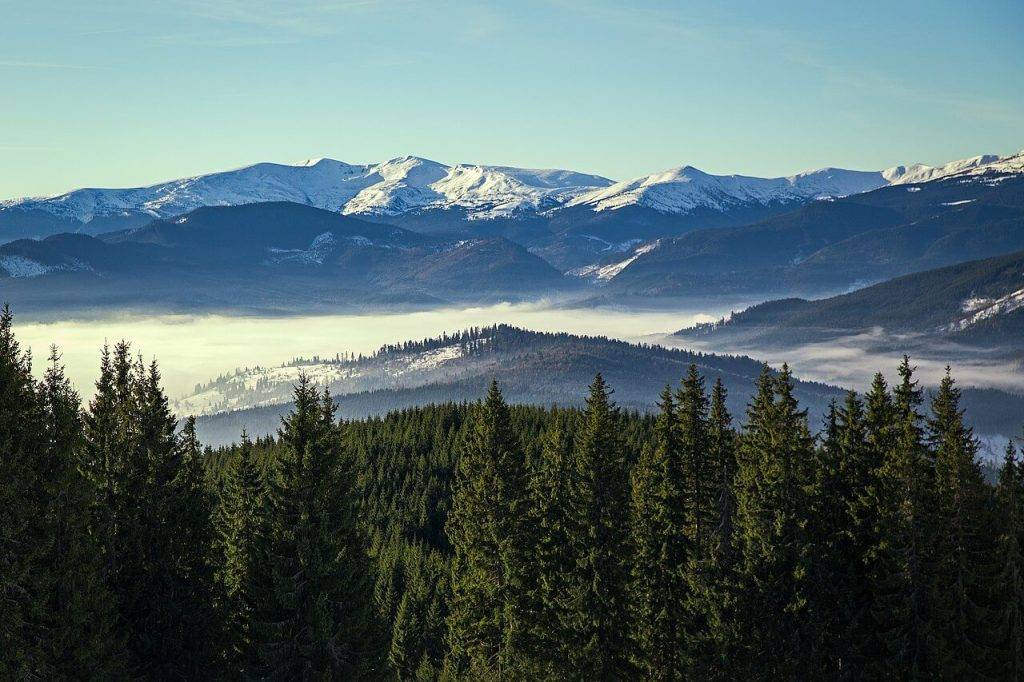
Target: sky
111 94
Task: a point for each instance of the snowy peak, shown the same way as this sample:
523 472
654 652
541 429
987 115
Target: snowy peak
905 175
396 186
683 189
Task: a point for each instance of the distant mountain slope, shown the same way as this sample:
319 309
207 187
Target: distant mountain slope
891 231
532 367
276 256
978 303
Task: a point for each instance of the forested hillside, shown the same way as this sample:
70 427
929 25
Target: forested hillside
483 541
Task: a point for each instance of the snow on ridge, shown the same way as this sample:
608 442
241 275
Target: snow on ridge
388 188
683 189
984 308
481 192
261 386
22 267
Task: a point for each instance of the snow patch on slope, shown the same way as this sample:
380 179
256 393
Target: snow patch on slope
603 273
19 266
984 308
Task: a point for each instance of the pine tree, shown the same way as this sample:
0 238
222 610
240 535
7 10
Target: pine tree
662 546
318 622
771 509
488 618
1010 581
960 605
599 503
80 637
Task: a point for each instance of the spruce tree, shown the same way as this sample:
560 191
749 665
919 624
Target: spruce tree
772 507
243 577
549 509
318 621
698 479
899 563
662 547
839 474
961 612
21 542
488 618
79 621
713 597
1010 581
599 502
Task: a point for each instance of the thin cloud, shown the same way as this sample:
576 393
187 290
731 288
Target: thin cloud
25 64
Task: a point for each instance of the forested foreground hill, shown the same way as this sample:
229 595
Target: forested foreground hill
482 541
533 368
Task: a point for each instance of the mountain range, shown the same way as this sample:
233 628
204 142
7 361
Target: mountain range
840 243
324 234
413 186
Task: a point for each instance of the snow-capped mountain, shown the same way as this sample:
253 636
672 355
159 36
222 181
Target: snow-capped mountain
907 175
684 189
429 196
681 190
389 188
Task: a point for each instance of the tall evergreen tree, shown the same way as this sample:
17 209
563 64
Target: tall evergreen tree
662 545
21 422
900 560
1010 581
599 503
318 622
771 509
962 614
488 618
242 547
839 473
549 505
722 455
698 479
79 621
713 597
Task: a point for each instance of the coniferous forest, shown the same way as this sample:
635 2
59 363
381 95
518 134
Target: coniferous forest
490 541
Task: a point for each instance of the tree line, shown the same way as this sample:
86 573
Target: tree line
488 541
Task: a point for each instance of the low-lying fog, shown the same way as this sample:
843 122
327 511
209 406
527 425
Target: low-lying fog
852 361
193 349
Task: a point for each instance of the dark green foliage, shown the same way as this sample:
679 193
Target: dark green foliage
488 615
316 621
80 636
599 515
21 422
1010 581
662 545
773 505
490 541
962 552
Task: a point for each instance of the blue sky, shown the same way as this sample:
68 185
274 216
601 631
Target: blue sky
105 93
